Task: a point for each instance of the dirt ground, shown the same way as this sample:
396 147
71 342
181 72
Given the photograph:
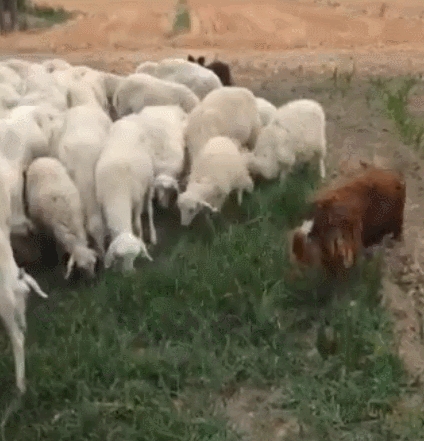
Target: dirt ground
279 45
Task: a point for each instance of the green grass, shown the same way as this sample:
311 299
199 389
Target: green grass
182 20
215 312
53 15
394 95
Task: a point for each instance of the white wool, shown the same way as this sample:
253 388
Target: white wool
84 135
267 111
227 111
216 171
296 134
56 64
165 126
15 284
197 78
140 90
54 202
124 184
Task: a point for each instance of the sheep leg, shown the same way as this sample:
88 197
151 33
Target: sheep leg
240 196
322 168
137 223
17 337
152 229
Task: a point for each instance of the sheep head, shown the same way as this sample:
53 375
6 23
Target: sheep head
190 206
83 257
164 186
304 249
125 248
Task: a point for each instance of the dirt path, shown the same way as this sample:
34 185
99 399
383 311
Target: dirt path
281 41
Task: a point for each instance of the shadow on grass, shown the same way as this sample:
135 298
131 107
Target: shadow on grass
214 310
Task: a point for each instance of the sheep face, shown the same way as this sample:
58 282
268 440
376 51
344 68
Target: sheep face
124 249
84 258
165 186
190 206
305 250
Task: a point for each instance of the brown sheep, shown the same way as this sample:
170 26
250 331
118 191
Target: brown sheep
221 69
352 217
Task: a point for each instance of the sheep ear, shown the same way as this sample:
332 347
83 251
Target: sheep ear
68 99
209 206
146 253
201 61
70 266
32 283
108 259
191 58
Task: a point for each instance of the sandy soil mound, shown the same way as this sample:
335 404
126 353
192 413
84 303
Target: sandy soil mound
233 24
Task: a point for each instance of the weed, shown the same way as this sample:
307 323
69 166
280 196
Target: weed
394 95
182 20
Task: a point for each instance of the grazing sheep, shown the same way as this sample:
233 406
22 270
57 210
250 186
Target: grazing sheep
221 69
197 78
84 135
10 77
216 171
41 87
354 216
43 126
165 126
124 184
54 202
296 134
140 90
228 111
56 64
267 111
15 285
21 67
9 98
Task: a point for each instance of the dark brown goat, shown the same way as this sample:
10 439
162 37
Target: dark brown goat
221 69
352 217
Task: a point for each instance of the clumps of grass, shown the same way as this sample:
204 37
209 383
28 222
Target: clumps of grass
148 356
394 95
182 20
52 15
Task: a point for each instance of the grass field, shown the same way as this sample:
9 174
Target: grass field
156 356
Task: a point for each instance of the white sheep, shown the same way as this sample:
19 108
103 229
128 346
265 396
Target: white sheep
84 135
91 78
15 285
9 98
10 77
165 126
54 202
43 126
228 111
41 87
266 110
296 134
140 90
216 171
197 78
55 64
21 67
124 183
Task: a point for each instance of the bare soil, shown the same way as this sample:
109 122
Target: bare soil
282 50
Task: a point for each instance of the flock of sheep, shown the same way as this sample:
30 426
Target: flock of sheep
83 154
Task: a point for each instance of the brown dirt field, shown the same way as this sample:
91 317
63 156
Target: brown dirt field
279 49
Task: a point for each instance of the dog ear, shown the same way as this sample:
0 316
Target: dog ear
191 58
201 61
